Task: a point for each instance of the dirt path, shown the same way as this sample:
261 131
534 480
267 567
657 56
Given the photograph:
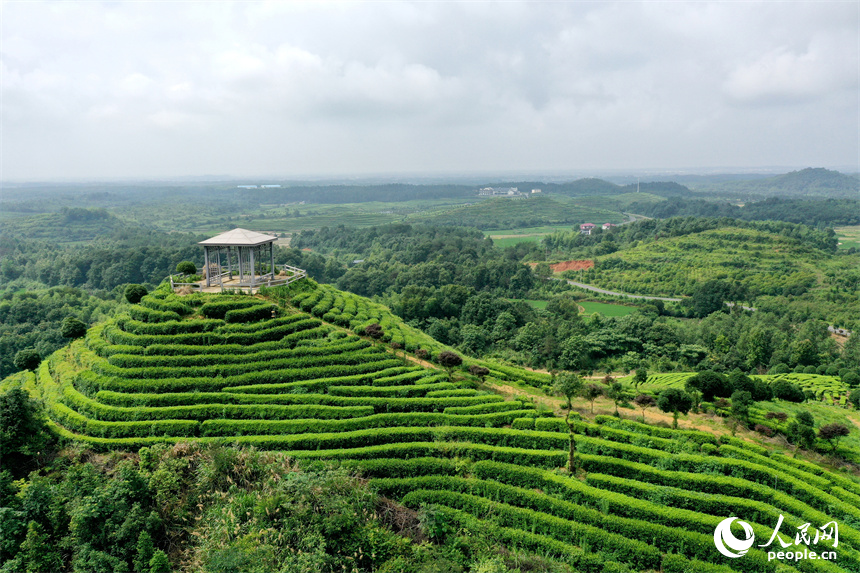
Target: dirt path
605 407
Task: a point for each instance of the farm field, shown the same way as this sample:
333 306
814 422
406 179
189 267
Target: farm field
509 237
306 382
504 242
545 211
848 237
618 202
606 309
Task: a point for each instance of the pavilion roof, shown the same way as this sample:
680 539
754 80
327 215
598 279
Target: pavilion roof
239 238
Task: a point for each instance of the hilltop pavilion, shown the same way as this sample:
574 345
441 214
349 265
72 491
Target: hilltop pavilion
249 250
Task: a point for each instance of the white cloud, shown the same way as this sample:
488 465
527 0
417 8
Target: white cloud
785 75
424 86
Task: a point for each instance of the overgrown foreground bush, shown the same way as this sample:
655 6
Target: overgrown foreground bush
223 509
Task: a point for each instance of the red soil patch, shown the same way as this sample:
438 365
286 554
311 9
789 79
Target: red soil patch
571 266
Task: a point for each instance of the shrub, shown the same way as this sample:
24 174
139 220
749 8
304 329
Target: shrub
478 371
374 331
523 424
784 390
72 328
833 432
220 308
134 292
449 360
27 359
764 430
251 314
780 368
186 268
852 379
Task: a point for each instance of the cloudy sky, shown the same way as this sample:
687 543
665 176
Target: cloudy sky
162 89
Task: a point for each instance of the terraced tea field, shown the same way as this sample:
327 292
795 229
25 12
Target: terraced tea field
290 372
826 388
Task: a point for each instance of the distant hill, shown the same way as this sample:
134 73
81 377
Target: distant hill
809 182
73 224
664 188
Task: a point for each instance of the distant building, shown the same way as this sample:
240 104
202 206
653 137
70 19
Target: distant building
269 186
607 226
499 192
535 191
586 228
246 186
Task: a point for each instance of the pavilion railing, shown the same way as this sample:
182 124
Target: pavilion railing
268 279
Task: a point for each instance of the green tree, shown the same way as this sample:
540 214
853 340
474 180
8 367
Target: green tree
134 292
640 377
801 430
615 391
474 339
710 384
144 553
159 562
543 270
645 401
851 378
592 392
854 398
568 385
759 347
27 359
709 297
741 402
676 401
73 328
40 554
22 431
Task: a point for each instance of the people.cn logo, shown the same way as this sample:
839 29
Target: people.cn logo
726 542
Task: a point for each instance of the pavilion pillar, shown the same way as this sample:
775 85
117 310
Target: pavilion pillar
208 270
272 258
220 277
253 268
230 263
239 250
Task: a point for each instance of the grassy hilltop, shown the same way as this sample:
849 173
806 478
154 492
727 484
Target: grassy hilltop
491 482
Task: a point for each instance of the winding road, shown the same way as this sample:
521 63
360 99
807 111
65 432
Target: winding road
613 293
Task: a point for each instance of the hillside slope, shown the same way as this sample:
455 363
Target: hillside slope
220 368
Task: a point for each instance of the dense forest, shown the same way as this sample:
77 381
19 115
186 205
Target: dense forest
811 212
454 285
